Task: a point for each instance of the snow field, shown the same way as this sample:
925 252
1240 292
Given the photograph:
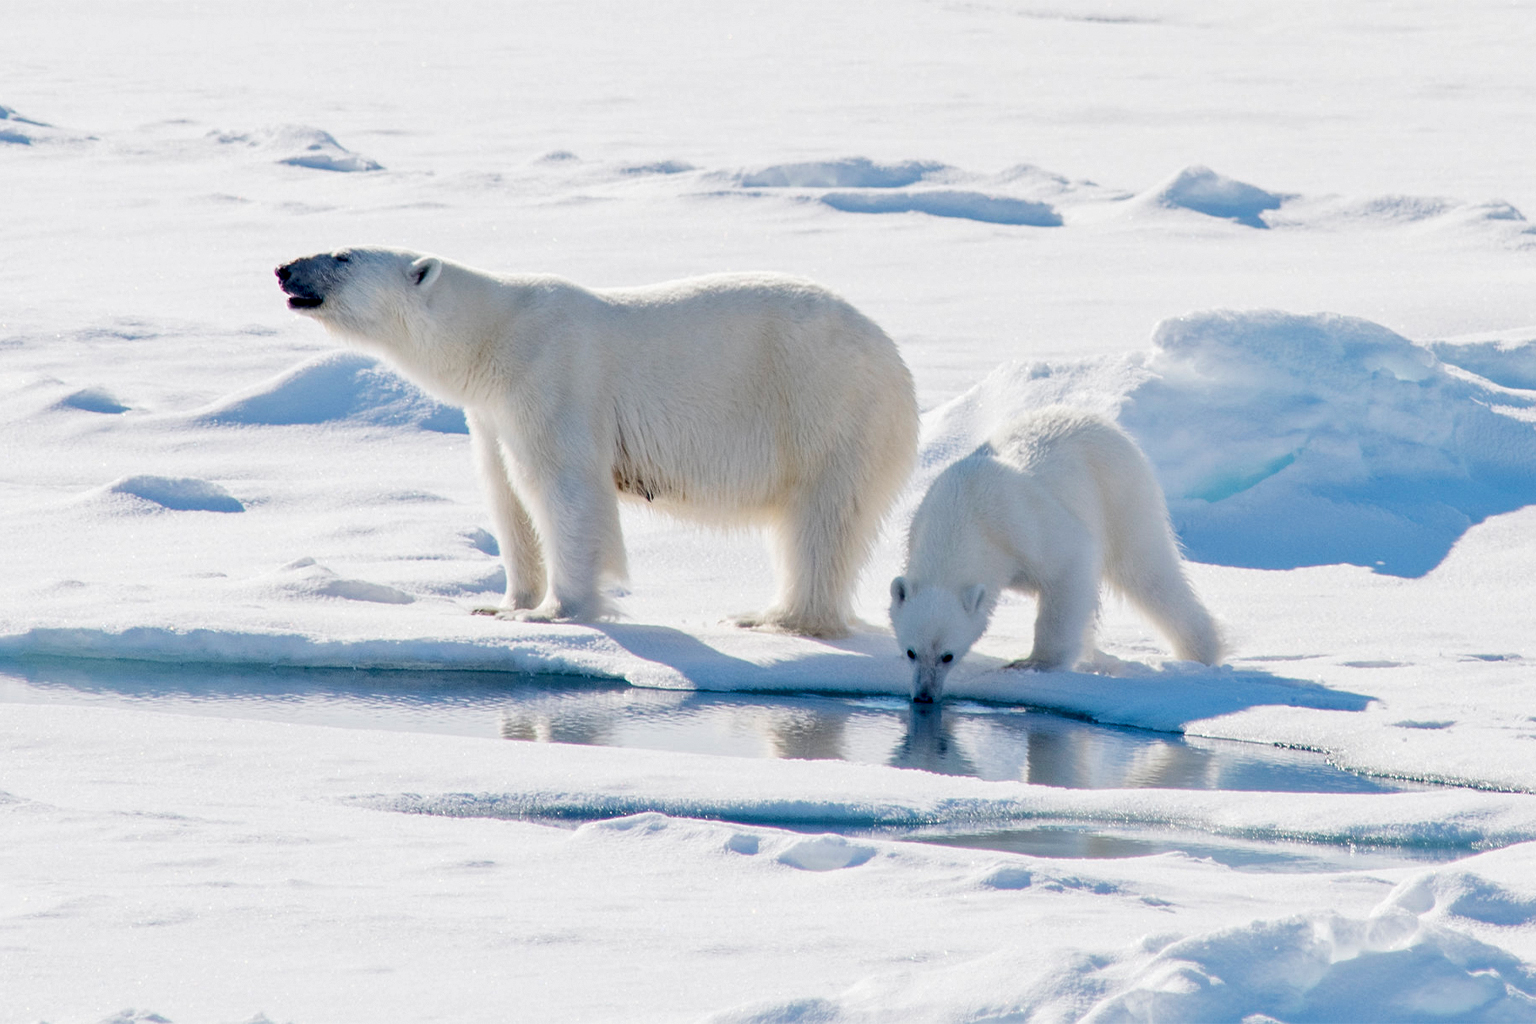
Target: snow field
1020 196
201 840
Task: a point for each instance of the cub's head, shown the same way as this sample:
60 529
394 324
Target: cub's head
935 627
366 292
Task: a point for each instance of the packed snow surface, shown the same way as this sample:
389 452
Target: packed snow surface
1285 248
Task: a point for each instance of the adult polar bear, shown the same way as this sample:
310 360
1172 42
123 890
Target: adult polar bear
1055 502
733 399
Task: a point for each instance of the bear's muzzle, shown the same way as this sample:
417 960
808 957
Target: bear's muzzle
306 280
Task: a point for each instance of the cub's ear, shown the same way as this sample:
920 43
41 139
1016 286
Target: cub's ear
899 590
425 270
972 599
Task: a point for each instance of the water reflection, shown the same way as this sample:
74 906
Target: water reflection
1062 840
957 738
930 744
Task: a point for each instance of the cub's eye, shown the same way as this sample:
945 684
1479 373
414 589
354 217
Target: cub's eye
342 257
947 658
911 654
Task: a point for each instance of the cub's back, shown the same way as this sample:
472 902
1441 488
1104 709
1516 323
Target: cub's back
1083 458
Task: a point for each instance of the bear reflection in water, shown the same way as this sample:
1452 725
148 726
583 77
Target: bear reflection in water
957 738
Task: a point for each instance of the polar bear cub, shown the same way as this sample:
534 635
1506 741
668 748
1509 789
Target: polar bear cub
1056 501
733 399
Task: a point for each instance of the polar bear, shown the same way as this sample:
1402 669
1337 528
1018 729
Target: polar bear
1055 501
731 399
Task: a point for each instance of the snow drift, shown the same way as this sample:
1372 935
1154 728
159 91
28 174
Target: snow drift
851 172
299 145
1285 440
966 205
1202 190
179 494
332 388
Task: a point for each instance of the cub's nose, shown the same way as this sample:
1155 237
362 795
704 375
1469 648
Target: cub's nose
284 272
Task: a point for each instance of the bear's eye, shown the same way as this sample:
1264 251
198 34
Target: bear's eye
911 654
342 257
947 658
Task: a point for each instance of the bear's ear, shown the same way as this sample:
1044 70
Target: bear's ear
972 599
425 270
899 590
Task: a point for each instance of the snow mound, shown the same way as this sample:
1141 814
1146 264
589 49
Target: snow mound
1456 893
976 206
1388 967
1284 440
17 130
92 400
337 387
307 578
825 853
1034 182
657 167
1510 364
300 146
1204 191
852 172
132 1016
1396 208
1475 222
181 494
10 115
1402 209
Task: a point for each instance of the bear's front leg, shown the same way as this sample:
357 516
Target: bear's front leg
577 515
521 558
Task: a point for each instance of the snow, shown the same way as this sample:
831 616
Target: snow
335 387
977 206
180 494
265 858
1204 191
1285 247
850 172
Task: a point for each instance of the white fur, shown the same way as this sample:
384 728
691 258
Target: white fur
1054 503
733 399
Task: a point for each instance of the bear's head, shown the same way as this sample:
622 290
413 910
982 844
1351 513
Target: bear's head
373 294
935 627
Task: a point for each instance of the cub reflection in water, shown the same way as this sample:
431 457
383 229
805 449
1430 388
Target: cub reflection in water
930 744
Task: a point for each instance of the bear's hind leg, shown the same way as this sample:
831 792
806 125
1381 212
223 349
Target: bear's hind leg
819 547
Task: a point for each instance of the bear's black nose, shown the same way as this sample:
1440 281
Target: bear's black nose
283 273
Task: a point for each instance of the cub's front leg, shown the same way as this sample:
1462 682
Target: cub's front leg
1068 608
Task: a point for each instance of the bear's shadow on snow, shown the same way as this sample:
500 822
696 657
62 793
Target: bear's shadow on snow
864 662
1164 699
